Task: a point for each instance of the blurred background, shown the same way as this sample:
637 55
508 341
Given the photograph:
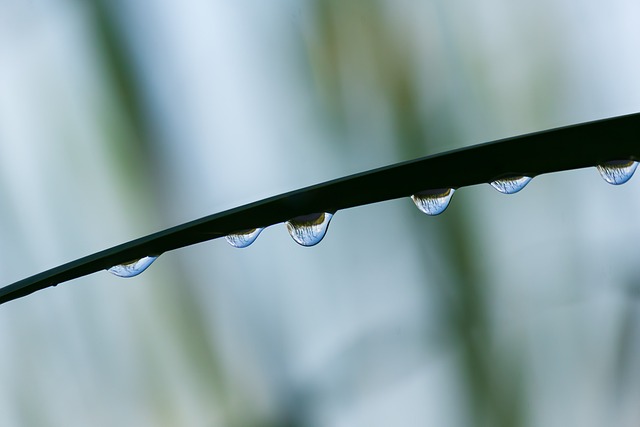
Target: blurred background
120 118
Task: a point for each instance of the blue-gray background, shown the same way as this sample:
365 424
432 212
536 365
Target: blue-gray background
119 118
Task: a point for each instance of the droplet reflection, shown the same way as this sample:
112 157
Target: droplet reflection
308 230
133 268
433 202
243 238
618 171
511 185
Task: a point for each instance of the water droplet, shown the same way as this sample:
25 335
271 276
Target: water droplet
243 238
133 268
511 185
308 230
618 171
433 202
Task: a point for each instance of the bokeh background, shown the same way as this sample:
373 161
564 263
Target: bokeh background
119 118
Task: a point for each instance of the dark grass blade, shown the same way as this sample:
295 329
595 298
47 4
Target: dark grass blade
555 150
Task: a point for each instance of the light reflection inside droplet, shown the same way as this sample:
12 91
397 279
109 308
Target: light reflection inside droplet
510 185
133 268
243 239
618 171
433 202
308 230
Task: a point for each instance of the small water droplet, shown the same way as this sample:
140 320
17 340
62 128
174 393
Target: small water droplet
618 171
433 202
308 230
243 239
133 268
511 185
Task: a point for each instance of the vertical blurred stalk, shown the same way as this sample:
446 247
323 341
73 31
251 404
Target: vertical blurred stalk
129 127
127 123
354 45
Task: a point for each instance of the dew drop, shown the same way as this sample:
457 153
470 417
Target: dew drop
618 171
133 268
244 238
511 185
433 202
308 230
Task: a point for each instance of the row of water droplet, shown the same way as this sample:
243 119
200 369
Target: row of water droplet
309 230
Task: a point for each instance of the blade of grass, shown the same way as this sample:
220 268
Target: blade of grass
566 148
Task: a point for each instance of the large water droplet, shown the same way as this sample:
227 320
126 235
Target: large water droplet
308 230
618 171
511 185
433 202
132 268
243 239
